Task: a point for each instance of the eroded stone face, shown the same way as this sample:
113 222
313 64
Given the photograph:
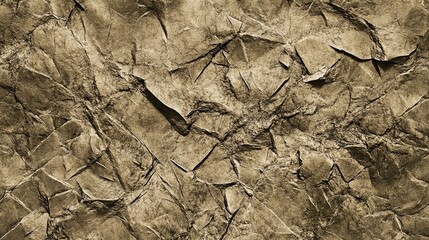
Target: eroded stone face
199 119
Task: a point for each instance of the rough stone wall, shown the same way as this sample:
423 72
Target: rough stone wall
214 119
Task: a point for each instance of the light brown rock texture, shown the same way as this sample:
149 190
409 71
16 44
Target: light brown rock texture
214 119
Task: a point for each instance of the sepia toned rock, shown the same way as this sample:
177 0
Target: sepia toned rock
198 119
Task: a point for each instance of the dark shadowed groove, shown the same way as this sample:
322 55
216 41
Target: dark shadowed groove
173 117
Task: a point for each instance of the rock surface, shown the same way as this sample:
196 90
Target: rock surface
200 119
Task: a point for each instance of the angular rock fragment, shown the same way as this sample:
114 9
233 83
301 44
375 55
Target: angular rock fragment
11 213
355 43
316 54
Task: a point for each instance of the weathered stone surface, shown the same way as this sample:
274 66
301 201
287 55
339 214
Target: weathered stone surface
199 119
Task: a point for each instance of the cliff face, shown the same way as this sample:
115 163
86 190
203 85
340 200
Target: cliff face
214 119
